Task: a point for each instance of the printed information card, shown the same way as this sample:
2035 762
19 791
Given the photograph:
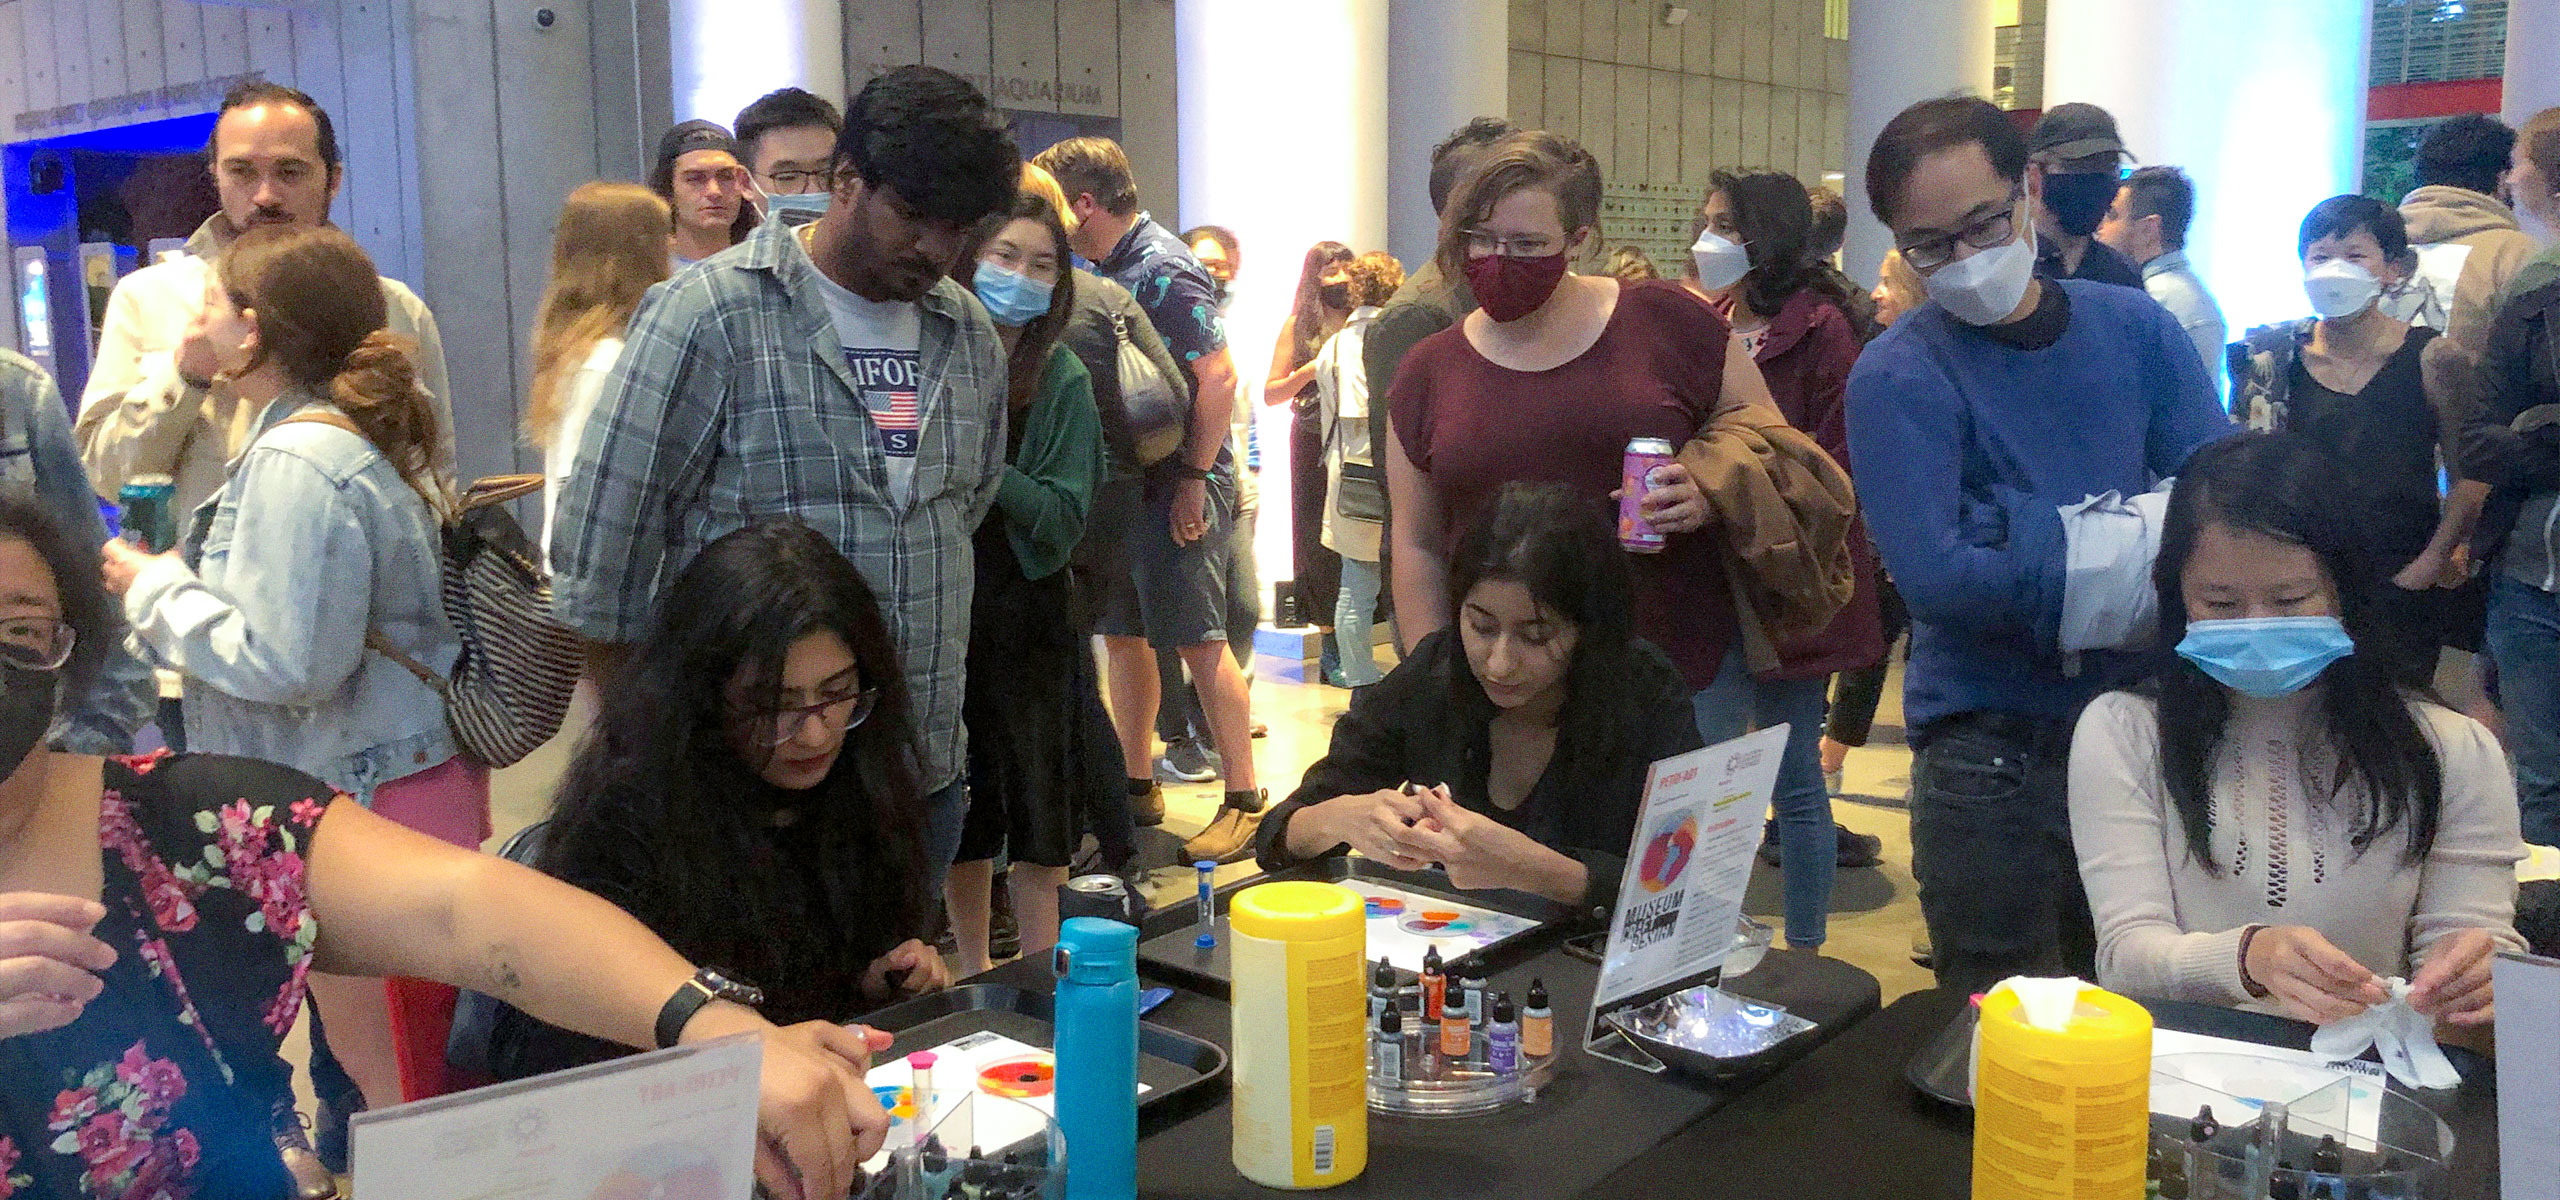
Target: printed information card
678 1122
1691 863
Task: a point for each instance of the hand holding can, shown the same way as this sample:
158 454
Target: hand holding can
1635 478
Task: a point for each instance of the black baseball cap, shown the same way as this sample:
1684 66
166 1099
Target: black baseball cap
684 139
2070 131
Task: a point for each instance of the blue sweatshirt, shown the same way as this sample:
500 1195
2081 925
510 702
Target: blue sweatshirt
1965 448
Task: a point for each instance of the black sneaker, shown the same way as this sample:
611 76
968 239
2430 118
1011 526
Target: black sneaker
1769 852
1185 760
1858 849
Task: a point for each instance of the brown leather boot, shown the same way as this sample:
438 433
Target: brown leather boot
1229 837
1147 810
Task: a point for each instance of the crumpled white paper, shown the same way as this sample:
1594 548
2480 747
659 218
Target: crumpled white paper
2403 1036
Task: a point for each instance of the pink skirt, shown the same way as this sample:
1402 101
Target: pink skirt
449 802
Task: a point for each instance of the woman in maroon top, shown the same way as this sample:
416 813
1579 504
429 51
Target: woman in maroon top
1548 381
1751 265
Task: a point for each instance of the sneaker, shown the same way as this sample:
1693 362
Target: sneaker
1185 760
311 1177
1769 852
1148 810
1921 953
1229 837
1858 849
1004 933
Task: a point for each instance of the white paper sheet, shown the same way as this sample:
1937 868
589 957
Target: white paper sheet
2528 990
987 1063
678 1122
1403 924
1690 864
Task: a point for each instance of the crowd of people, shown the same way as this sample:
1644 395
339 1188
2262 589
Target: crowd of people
902 488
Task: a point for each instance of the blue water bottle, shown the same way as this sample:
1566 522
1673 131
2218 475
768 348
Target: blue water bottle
1097 1086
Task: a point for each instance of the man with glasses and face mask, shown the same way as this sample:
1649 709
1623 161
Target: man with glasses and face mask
829 371
2076 156
1973 421
787 137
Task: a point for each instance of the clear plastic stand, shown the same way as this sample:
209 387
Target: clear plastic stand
1601 1035
2278 1129
948 1163
1435 1085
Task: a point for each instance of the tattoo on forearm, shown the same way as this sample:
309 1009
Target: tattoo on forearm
502 970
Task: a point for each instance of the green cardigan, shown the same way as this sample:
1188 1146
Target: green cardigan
1048 486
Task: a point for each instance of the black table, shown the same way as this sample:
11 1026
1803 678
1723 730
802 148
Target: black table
1843 1122
1595 1117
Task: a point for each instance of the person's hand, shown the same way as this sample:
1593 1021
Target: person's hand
2454 985
816 1120
912 969
1673 503
48 960
1477 851
2430 569
1190 511
2310 979
1372 823
122 561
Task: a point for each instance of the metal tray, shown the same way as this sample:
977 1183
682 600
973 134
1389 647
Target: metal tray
1170 1064
1169 947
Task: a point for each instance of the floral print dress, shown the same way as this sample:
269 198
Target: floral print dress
168 1084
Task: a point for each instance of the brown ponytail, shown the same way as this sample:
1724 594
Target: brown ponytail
318 306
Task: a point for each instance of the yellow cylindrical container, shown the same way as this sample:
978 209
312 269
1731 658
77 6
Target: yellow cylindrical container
2062 1114
1301 1034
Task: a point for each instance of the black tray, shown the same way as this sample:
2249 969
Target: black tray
1170 1064
1171 949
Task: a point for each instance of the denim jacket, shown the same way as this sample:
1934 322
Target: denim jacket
37 455
313 540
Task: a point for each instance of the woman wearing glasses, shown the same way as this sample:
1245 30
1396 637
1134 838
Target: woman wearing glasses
750 792
1547 382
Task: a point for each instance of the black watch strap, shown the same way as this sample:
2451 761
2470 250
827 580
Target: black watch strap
706 986
1187 471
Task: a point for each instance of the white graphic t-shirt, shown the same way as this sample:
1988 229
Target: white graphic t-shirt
879 339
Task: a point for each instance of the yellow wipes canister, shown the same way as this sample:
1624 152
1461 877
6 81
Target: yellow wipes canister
2062 1114
1301 1038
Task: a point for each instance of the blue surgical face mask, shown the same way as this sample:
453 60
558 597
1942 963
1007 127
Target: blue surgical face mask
1012 298
796 204
2266 656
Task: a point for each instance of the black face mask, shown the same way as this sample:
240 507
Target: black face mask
1335 295
26 711
2079 200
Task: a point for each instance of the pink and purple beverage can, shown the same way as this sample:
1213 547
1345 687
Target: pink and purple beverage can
1635 478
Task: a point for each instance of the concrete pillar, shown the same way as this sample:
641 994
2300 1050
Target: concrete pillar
1283 138
1902 52
2265 135
1452 61
726 53
2533 58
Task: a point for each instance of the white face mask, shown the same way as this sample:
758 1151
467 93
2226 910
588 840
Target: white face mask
1984 287
1721 261
2339 288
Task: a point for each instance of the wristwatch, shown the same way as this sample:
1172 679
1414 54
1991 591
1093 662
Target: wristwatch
706 986
1187 471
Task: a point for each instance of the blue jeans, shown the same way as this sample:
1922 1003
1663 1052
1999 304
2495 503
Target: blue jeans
2524 639
946 811
1352 604
1808 850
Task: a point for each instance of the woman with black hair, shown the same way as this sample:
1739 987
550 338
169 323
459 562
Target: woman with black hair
1321 307
2271 822
751 791
161 920
1753 263
1525 732
1028 676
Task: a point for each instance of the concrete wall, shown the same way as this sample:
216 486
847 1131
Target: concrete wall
1740 83
1097 58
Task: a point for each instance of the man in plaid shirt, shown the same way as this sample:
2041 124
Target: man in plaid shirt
831 372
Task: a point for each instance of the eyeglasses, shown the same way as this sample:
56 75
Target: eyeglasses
773 727
1481 243
35 643
800 181
1933 253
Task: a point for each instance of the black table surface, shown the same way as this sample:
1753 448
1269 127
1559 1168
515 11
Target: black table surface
1843 1122
1596 1116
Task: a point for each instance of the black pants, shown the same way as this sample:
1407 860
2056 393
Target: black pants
1991 847
1853 703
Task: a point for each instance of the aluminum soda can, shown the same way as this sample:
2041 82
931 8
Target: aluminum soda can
1104 896
149 519
1635 478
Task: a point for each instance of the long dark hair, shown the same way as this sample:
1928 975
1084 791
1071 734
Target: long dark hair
1306 312
661 815
1773 215
95 620
1030 350
1558 544
2280 485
